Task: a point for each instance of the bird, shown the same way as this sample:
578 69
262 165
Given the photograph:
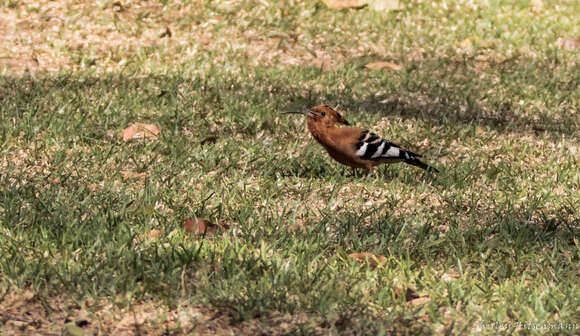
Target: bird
352 146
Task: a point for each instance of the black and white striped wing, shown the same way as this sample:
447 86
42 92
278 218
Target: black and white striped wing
372 147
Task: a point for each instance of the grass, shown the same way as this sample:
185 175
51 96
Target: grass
489 244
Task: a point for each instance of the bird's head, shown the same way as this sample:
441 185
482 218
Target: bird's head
322 114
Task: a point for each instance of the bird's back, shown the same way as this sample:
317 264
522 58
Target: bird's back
363 148
356 147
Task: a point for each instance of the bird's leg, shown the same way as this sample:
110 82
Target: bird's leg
370 173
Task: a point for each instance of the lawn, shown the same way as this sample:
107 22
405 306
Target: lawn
95 229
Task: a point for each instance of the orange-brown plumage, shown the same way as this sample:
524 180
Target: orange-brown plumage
354 147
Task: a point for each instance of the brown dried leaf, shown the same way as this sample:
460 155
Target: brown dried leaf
410 293
450 276
372 259
419 301
209 140
296 227
140 130
118 7
165 33
133 175
200 226
384 65
343 4
154 234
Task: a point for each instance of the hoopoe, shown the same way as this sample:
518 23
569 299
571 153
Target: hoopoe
354 147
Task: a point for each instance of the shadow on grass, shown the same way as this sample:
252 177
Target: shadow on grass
454 231
448 98
453 94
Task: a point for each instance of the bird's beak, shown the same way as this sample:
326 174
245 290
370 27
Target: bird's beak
305 111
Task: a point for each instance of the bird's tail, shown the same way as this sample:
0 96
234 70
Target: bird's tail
412 160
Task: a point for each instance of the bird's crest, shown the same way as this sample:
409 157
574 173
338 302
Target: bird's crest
321 113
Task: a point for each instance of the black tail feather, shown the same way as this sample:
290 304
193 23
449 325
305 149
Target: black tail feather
418 163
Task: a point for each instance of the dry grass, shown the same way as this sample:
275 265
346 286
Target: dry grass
109 36
76 35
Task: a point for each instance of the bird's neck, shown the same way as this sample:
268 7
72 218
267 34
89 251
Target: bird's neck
320 132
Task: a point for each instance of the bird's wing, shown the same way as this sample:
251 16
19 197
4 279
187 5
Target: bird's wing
370 146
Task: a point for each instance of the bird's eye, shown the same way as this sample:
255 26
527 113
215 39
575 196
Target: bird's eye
323 113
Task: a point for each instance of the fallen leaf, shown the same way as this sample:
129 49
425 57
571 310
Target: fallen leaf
154 234
384 65
410 293
343 4
296 227
322 61
450 276
165 33
419 301
118 6
372 259
200 226
132 175
140 130
209 140
568 43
